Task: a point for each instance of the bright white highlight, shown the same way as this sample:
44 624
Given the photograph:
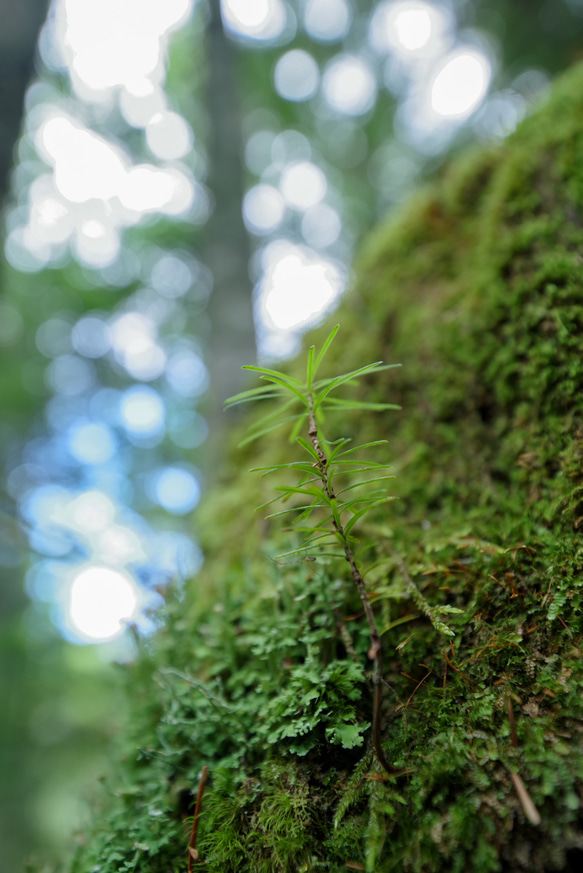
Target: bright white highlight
86 166
327 20
303 185
263 209
413 29
94 193
349 85
254 19
410 29
298 286
110 43
461 84
141 101
296 76
102 601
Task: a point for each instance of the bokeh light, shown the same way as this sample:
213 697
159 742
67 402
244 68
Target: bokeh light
303 185
91 337
186 372
95 192
133 338
298 286
460 84
168 136
175 489
142 411
296 76
102 602
327 20
91 442
411 29
263 209
321 226
254 19
349 85
100 56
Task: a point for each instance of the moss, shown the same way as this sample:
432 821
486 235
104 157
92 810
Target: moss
477 289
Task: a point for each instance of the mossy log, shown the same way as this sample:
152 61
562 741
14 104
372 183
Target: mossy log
260 671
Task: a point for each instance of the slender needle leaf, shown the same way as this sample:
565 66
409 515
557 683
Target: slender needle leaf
350 524
308 447
281 376
258 433
260 393
310 370
327 343
365 482
338 403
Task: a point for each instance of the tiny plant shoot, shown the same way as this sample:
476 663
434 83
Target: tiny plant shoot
329 509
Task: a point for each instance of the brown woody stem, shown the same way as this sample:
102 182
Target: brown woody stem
192 853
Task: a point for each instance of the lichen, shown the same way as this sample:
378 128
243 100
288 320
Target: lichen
477 289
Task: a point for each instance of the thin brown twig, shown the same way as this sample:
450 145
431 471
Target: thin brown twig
528 807
417 687
513 734
192 853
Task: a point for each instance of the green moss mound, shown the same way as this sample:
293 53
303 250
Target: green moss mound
260 672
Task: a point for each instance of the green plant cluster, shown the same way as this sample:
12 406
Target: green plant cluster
260 671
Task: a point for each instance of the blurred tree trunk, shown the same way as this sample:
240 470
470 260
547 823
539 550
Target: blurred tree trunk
19 30
227 244
21 24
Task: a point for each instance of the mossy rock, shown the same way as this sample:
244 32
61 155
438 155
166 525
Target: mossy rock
260 671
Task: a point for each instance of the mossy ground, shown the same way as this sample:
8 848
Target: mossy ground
477 289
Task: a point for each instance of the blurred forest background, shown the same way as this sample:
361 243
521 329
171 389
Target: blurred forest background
184 181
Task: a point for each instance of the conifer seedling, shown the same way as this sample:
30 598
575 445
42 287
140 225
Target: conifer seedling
328 510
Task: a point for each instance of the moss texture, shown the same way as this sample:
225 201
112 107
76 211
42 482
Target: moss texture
260 671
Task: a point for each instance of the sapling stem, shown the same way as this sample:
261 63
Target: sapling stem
315 397
375 652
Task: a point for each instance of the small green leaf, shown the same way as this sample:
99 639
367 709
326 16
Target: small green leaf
262 431
327 343
364 446
351 522
308 447
336 451
309 492
310 370
337 403
281 376
348 735
350 377
288 385
365 482
260 393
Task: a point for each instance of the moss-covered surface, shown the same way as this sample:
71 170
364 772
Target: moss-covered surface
477 289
